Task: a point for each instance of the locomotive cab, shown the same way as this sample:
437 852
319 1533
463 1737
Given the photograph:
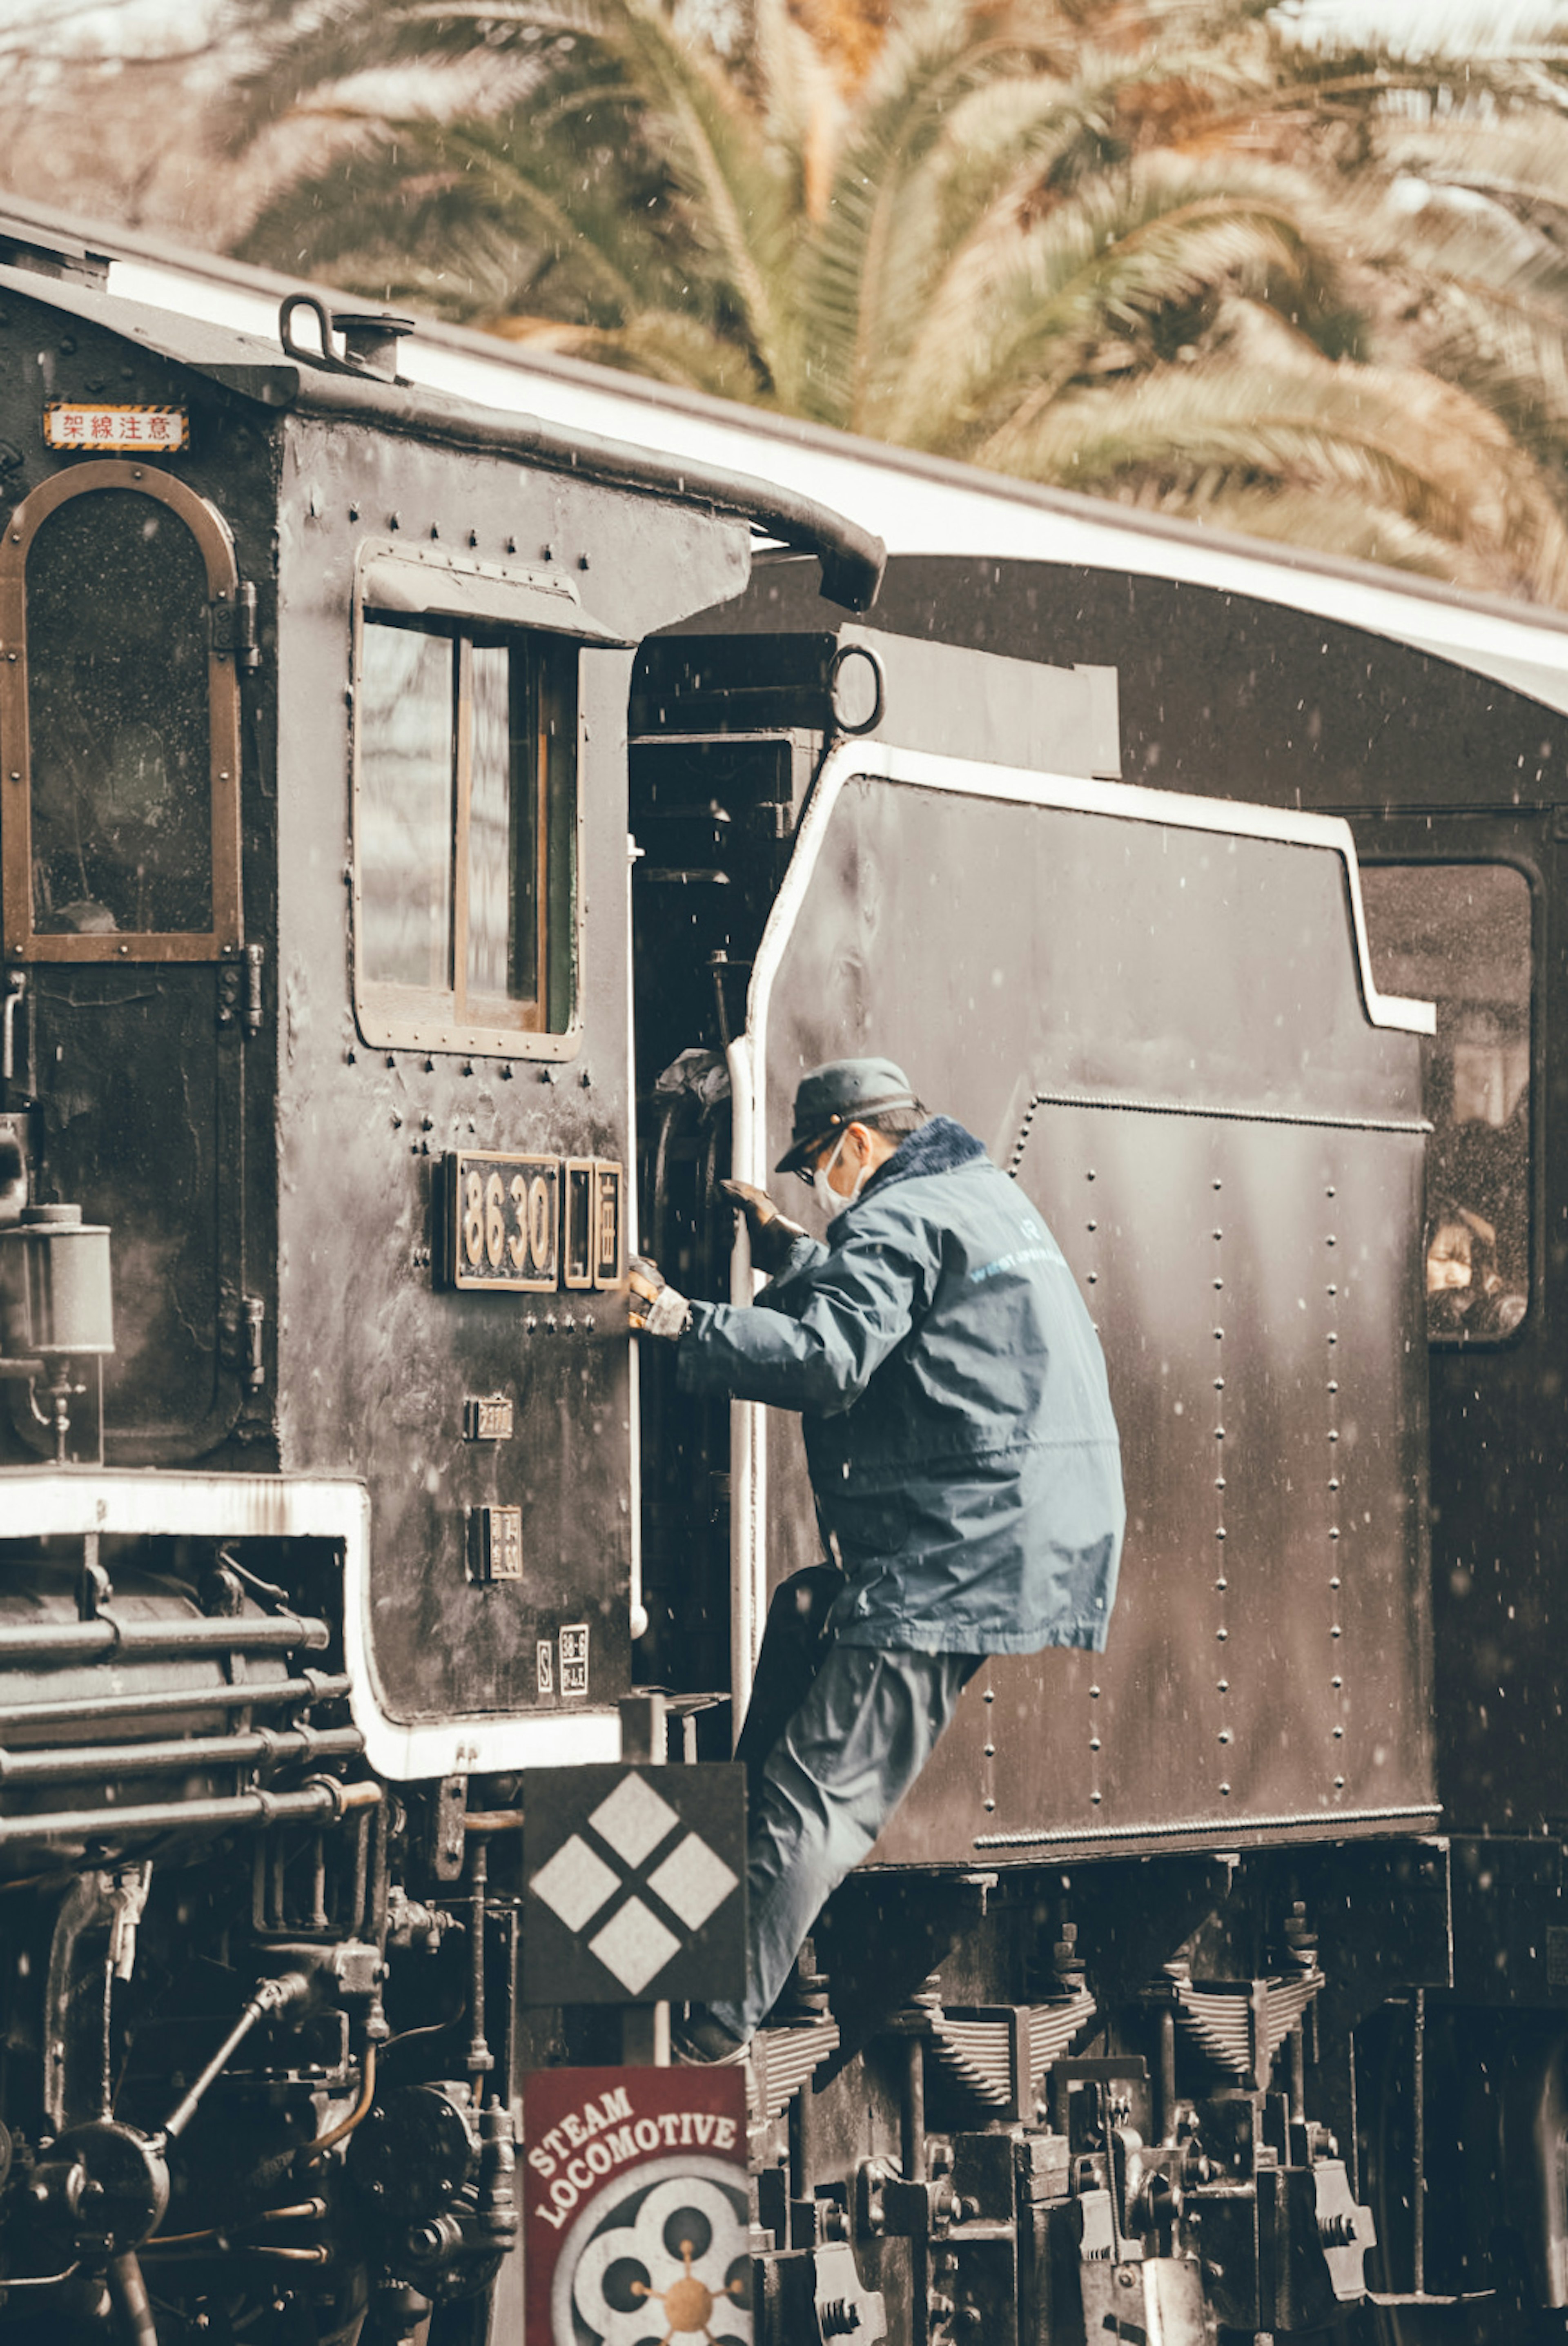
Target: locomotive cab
319 1508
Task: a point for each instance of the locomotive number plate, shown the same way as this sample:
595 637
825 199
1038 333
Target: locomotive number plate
510 1220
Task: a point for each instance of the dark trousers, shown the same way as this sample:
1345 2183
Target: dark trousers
825 1776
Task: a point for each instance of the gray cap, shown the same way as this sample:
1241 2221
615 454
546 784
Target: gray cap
836 1094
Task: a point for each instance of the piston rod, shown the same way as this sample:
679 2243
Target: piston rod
274 1995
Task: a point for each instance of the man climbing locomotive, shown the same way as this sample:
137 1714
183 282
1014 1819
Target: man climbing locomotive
964 1457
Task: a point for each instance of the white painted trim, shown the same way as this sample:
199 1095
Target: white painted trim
72 1501
748 1422
637 1610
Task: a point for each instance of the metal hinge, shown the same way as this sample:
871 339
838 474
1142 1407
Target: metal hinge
234 626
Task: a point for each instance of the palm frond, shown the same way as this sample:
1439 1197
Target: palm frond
1402 442
332 42
664 345
861 281
1321 519
1017 320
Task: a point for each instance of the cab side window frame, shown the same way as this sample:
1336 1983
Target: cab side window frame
1523 1261
24 941
477 605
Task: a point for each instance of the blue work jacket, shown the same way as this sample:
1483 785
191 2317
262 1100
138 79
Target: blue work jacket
958 1423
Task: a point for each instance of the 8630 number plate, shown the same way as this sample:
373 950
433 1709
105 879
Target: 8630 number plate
508 1219
503 1221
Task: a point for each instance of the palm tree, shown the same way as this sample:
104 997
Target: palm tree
1154 248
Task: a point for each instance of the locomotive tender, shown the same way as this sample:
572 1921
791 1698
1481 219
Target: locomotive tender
1205 1987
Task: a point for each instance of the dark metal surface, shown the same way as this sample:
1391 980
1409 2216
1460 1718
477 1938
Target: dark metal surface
1225 696
1220 694
1249 1252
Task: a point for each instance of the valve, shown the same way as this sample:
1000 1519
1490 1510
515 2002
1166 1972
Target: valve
103 2189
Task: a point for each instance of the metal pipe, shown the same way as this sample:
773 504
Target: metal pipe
1418 2133
71 1641
362 1870
912 2112
128 2290
1166 2120
381 1877
1299 2074
255 1807
356 2116
128 1759
274 1995
480 2060
264 1694
16 986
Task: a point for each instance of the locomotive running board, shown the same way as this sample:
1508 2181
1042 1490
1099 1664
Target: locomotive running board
71 1502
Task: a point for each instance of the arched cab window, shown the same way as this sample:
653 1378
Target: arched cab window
1458 936
119 722
465 805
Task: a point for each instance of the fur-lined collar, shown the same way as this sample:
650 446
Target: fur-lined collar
940 1146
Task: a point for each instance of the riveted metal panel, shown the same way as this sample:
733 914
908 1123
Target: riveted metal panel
1161 1032
377 1359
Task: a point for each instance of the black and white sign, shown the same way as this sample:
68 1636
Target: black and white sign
635 1884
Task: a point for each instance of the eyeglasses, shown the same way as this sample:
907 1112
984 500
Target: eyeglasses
811 1175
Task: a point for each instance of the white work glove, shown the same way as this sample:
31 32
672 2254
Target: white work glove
657 1309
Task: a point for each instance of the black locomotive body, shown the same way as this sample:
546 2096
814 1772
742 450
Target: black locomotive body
426 866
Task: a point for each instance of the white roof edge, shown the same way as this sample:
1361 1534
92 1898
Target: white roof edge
1125 802
918 505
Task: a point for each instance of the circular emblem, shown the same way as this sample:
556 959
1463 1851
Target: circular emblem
658 2259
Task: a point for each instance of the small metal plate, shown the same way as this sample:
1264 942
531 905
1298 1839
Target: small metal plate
150 431
609 1234
502 1221
578 1235
487 1421
496 1544
634 1883
575 1659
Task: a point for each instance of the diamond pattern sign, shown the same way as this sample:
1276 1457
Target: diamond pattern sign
635 1884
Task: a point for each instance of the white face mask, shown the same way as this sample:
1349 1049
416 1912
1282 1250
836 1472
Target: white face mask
825 1176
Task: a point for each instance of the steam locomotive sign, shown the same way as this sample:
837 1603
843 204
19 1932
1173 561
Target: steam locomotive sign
637 2223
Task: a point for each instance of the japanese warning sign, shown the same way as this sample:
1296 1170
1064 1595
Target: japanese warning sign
636 2223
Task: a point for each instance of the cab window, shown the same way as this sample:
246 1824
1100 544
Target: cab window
1458 935
466 826
123 715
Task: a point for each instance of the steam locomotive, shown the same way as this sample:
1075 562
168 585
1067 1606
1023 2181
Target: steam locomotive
433 842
